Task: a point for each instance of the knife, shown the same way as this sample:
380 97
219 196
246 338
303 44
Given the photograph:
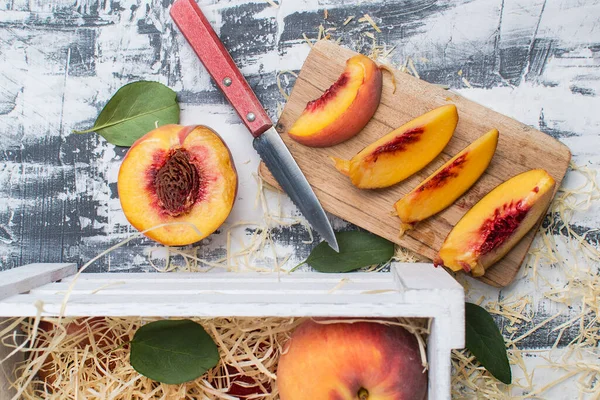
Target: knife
267 142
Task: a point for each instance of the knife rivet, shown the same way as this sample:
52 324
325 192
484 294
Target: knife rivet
251 117
227 81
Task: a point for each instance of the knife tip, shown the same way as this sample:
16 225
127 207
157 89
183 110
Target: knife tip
334 245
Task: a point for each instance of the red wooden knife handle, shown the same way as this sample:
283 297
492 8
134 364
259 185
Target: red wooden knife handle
207 45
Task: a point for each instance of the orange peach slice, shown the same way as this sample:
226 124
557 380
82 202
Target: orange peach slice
497 222
344 109
401 153
448 183
177 174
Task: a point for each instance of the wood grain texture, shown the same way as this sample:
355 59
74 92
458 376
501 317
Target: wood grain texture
520 148
27 277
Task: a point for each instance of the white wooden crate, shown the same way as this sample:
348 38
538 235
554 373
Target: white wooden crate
408 290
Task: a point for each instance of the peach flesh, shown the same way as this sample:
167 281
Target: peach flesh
344 109
493 226
505 221
451 171
317 104
398 144
177 184
497 229
447 183
402 152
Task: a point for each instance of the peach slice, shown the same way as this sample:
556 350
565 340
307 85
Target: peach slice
401 153
497 222
448 183
344 109
178 174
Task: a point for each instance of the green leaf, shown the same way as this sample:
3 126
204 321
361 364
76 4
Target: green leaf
484 340
173 351
136 109
357 250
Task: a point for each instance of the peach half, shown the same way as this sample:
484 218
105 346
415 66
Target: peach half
180 177
497 222
344 109
351 361
448 183
401 153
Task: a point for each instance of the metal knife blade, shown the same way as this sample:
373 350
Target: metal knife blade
219 64
284 168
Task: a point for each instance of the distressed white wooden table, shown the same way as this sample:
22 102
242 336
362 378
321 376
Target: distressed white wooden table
60 61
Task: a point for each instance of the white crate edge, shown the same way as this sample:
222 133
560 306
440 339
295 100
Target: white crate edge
408 290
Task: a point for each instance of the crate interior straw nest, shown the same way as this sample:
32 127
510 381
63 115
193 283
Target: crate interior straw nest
94 362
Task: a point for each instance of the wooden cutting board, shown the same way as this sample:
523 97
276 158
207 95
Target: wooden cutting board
520 148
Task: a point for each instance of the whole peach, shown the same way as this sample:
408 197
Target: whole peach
361 360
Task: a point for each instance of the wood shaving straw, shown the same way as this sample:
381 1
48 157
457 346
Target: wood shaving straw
391 71
89 366
367 18
347 21
404 255
413 70
94 363
307 40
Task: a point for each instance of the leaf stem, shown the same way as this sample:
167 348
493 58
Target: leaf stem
108 125
121 345
296 267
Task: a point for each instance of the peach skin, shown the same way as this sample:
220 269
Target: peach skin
349 361
178 174
344 109
448 183
401 153
497 222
